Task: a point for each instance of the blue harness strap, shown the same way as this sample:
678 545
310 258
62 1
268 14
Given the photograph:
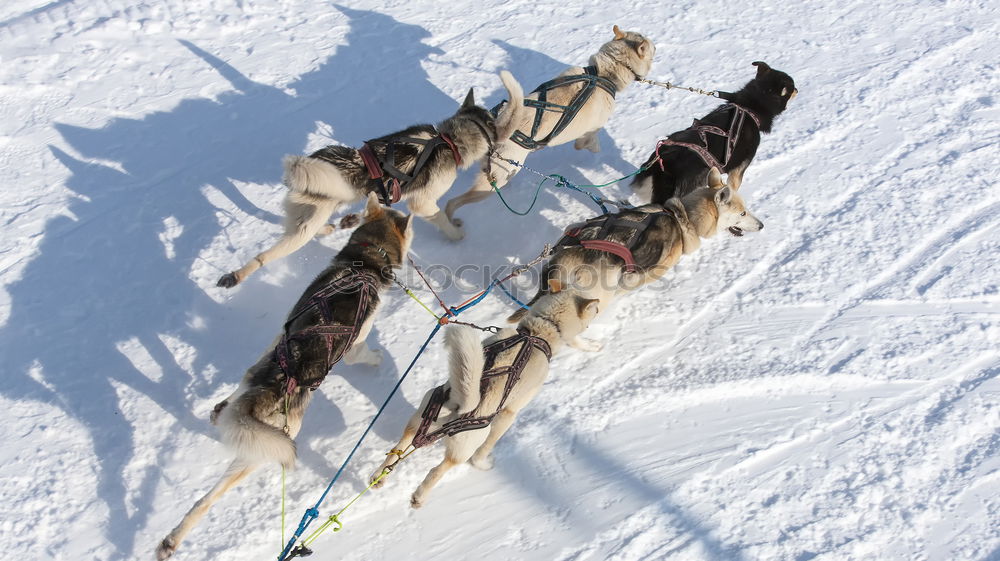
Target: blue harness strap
590 81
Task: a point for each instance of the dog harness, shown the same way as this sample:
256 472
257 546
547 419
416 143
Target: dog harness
362 283
730 135
590 81
387 180
466 422
594 234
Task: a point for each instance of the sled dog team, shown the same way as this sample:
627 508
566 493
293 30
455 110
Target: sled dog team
594 262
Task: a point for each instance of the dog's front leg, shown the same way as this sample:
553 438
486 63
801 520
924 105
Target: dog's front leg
586 345
589 141
360 353
429 211
735 176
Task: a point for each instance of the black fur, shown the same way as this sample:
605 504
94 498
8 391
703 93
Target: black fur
684 170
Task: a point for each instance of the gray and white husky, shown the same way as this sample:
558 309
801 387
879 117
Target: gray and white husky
327 180
557 319
623 60
332 319
703 213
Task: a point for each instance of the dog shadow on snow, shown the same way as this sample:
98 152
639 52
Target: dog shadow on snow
579 457
112 279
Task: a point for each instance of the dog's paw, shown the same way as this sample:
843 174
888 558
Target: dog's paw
455 234
587 345
374 358
228 280
415 501
457 222
213 417
166 548
483 463
325 230
375 481
350 221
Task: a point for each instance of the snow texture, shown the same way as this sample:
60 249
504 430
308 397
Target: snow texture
824 389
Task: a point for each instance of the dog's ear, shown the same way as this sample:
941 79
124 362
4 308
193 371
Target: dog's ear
618 33
643 49
762 68
408 227
723 196
470 99
373 208
587 309
555 286
714 178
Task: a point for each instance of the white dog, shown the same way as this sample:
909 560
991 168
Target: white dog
572 107
489 382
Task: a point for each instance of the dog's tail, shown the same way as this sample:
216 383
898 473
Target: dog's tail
318 183
250 438
513 111
465 367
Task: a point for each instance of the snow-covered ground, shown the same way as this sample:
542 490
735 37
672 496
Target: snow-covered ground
824 389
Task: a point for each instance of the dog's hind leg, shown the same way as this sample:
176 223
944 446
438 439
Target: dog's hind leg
235 473
404 442
303 221
483 458
458 450
502 172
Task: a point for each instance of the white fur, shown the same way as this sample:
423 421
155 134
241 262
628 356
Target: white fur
465 367
558 318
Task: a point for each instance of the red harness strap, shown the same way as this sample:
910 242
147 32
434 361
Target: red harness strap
375 173
613 247
387 179
602 227
529 343
454 149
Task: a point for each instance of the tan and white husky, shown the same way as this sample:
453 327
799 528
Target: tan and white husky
621 61
556 319
703 213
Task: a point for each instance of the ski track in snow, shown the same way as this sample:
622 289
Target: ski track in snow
824 389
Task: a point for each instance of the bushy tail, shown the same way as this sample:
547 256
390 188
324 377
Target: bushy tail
465 366
251 439
316 178
514 111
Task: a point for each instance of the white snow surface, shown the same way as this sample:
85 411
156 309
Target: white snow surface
824 389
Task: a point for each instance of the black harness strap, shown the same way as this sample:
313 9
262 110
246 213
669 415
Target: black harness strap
365 285
529 343
594 234
387 180
568 112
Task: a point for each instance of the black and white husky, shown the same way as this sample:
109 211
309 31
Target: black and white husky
330 322
329 179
